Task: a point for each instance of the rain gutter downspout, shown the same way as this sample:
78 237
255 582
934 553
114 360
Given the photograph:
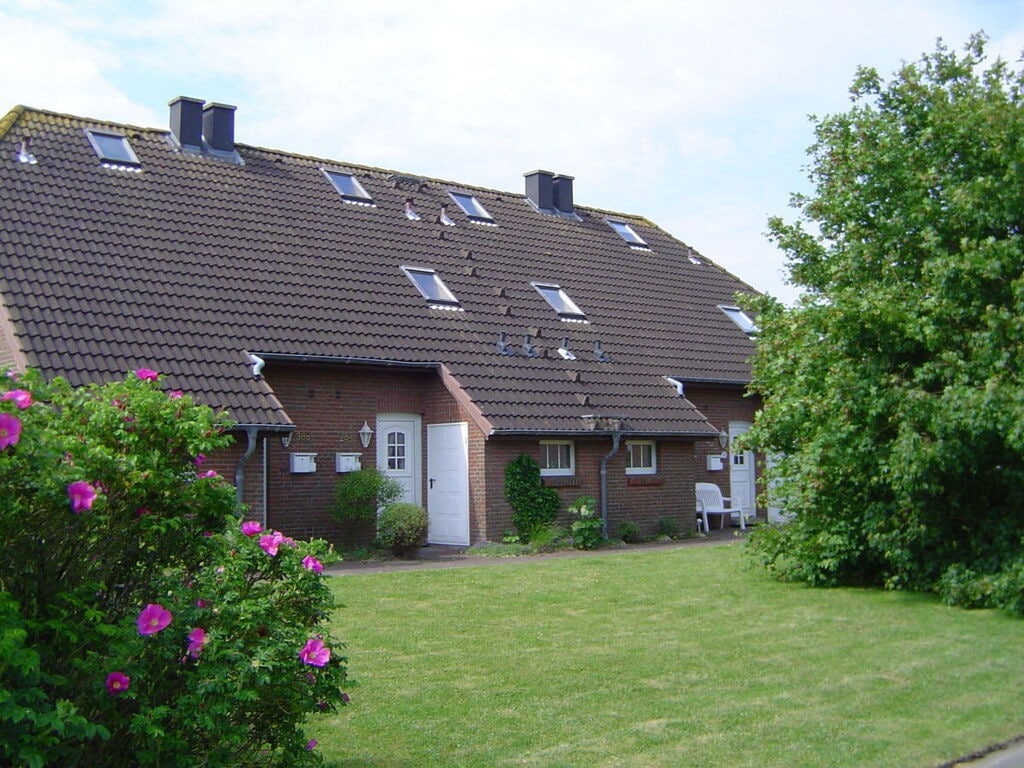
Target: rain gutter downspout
616 437
250 434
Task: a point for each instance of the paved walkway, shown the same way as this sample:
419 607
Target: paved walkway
1007 755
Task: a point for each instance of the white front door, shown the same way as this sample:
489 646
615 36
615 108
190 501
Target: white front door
448 483
741 472
398 452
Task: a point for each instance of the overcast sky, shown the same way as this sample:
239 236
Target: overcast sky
693 114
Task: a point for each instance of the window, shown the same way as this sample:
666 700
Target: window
396 451
626 233
641 457
557 458
471 207
741 318
349 188
113 149
430 284
560 302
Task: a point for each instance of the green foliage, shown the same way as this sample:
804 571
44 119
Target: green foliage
586 523
402 528
107 519
533 505
667 526
360 494
629 532
894 390
548 538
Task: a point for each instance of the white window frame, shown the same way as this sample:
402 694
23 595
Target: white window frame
558 471
360 195
642 470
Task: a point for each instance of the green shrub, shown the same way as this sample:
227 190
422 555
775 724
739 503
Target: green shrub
629 532
360 494
402 528
667 526
547 538
533 505
586 524
137 618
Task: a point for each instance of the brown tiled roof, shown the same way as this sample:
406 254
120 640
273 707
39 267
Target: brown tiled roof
194 263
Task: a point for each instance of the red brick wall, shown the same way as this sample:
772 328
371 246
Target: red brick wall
720 405
640 499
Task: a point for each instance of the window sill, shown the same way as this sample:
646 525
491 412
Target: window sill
644 480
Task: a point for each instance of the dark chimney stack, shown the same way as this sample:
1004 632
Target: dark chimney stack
540 191
563 193
219 127
187 122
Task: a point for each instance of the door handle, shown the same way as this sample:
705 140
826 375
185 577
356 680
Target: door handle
432 483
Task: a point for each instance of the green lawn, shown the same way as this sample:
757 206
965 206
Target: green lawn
683 657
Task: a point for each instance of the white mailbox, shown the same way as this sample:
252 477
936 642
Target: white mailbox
714 462
302 463
347 462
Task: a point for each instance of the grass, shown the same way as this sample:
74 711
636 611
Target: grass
666 658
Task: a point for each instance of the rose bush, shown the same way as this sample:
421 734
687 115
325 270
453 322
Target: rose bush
140 621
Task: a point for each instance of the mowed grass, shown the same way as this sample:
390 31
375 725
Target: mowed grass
684 657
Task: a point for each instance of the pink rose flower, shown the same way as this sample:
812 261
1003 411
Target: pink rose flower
207 475
153 618
20 397
10 430
117 683
199 459
147 374
310 563
82 495
175 394
251 527
196 640
315 653
311 744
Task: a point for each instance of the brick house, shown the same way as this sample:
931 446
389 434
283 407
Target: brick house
350 316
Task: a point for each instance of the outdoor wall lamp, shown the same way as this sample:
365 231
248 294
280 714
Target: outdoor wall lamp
365 434
723 439
286 438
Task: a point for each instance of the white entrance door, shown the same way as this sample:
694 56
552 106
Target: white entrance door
448 483
741 472
398 452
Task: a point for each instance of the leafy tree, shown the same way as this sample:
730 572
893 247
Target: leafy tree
534 506
893 390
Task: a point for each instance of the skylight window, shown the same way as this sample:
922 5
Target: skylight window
430 284
741 318
472 208
627 233
113 149
349 188
560 302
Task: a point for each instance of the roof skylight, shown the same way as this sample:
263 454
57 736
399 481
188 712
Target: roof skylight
472 207
627 233
348 187
113 149
560 302
741 318
430 284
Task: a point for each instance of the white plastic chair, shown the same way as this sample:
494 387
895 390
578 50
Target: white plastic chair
711 502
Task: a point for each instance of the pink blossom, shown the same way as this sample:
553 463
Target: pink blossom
82 496
311 744
251 527
143 511
175 394
207 475
315 653
153 618
10 430
273 540
146 374
310 563
200 603
21 398
196 640
117 683
199 459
